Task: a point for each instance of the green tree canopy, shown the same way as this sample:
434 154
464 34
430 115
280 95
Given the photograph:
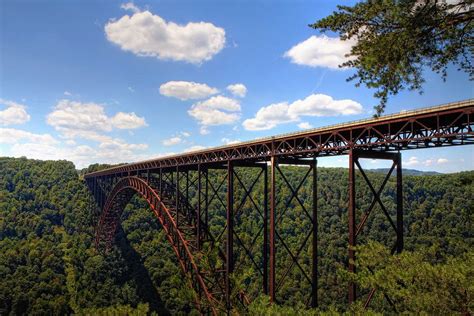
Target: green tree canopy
396 40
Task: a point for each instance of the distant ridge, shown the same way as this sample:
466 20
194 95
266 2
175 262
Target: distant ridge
408 172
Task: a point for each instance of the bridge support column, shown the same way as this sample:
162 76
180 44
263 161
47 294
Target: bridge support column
356 228
177 196
198 213
314 263
310 274
230 233
265 229
272 282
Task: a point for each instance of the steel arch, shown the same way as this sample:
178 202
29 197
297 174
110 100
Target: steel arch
121 193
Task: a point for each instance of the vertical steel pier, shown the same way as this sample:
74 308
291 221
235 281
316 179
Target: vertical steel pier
356 228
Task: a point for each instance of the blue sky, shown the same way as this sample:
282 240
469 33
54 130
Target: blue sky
111 81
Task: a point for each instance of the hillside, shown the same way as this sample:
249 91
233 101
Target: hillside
48 264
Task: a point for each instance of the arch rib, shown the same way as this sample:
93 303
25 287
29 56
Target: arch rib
122 192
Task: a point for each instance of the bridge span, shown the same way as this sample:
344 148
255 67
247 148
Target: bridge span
201 214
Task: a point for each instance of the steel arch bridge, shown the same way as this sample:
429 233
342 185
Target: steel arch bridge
202 215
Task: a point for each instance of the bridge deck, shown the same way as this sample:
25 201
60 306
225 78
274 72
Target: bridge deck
443 125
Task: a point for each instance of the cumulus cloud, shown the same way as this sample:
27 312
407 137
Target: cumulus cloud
186 90
414 161
81 155
320 51
74 118
269 116
77 120
147 34
324 105
314 105
238 89
15 113
13 136
82 116
172 141
217 110
123 120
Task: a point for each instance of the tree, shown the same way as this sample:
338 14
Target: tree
417 282
396 40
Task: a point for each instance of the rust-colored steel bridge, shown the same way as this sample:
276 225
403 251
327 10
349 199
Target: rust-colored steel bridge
202 215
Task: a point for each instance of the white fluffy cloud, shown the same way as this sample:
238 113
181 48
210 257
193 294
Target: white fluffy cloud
217 110
314 105
238 89
81 155
320 51
186 90
172 141
76 115
44 146
269 116
76 118
414 161
123 120
13 136
324 105
15 113
147 34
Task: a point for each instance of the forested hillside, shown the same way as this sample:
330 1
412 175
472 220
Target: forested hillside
48 264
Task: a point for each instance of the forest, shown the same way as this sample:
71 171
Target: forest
49 265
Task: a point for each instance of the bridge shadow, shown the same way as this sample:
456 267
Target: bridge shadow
145 288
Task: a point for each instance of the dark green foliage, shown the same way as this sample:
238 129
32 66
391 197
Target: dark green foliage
48 263
396 39
418 282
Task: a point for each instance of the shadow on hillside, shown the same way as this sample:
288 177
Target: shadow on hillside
145 289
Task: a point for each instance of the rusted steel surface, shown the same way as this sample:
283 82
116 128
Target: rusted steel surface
445 125
201 214
355 229
180 245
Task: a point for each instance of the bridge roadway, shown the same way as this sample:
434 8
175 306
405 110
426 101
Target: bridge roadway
188 203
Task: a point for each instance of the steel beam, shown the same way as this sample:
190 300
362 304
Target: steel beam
230 234
265 229
177 196
355 229
314 263
447 125
399 204
272 281
198 215
352 224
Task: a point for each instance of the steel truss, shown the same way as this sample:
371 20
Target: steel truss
446 125
277 214
205 202
355 228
